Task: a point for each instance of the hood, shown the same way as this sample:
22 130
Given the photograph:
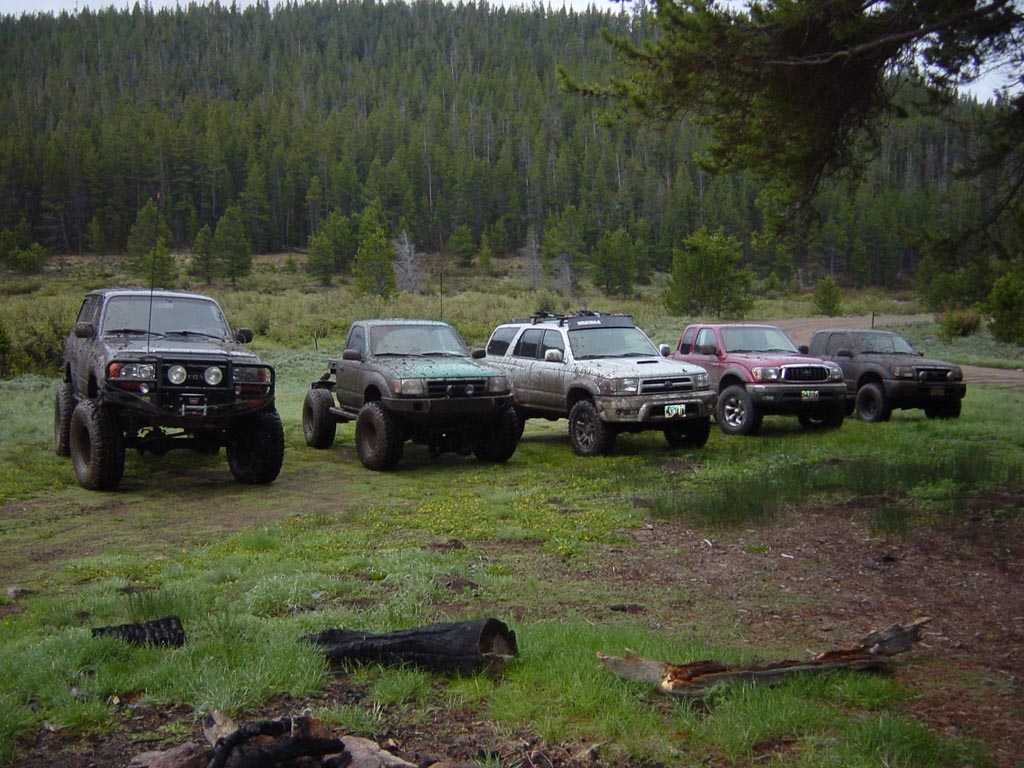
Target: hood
645 367
179 348
420 367
902 358
777 359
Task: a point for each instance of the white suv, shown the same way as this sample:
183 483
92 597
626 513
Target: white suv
605 375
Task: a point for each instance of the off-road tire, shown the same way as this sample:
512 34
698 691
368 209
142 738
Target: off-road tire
689 434
736 413
379 439
96 446
872 404
318 425
256 448
948 409
588 434
829 417
503 441
63 408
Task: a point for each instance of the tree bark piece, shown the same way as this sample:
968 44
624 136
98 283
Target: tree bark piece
696 678
484 645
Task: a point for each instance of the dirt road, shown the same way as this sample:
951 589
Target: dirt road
802 328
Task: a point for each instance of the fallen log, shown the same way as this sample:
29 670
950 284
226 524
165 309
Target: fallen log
166 631
697 678
468 647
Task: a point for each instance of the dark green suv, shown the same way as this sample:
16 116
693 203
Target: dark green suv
412 380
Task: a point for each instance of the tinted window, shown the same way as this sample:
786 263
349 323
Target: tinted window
529 343
500 339
552 340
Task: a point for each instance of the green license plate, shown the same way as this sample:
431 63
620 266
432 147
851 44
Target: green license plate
678 409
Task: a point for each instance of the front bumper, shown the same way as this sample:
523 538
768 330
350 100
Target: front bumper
915 394
796 398
657 411
449 412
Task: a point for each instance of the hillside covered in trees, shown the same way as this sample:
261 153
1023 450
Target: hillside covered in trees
448 117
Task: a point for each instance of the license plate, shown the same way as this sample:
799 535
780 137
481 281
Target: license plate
678 409
808 394
938 392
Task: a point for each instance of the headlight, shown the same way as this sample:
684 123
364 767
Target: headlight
213 375
835 373
903 372
497 384
250 374
132 371
766 374
408 387
177 374
619 386
956 374
701 381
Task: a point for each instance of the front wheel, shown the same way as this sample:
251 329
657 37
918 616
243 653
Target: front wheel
256 448
96 445
735 412
689 434
588 434
501 444
63 408
871 403
318 425
379 440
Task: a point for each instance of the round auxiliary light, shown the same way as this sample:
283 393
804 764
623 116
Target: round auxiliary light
176 374
213 375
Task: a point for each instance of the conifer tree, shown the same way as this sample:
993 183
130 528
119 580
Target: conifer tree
372 269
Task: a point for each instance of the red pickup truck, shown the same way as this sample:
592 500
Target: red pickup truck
757 370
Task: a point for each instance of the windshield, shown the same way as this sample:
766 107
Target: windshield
164 316
885 343
757 339
439 340
610 342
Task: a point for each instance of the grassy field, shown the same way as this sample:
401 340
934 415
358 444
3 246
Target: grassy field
250 570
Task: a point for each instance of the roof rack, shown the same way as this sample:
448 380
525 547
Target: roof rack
565 319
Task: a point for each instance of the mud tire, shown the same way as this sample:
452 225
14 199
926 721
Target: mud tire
736 413
690 434
588 434
501 444
872 404
379 439
318 424
63 409
96 446
256 448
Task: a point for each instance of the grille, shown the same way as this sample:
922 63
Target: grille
456 387
805 373
932 374
668 384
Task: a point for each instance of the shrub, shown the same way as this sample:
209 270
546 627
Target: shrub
959 324
1006 303
827 297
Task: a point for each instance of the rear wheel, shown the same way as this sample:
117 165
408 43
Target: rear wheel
829 417
501 444
256 448
379 439
950 409
318 425
96 445
63 408
588 434
872 404
735 412
689 434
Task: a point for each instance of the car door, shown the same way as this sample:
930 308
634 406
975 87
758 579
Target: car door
705 354
550 377
349 380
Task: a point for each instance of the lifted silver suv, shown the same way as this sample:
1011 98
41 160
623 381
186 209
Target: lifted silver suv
605 375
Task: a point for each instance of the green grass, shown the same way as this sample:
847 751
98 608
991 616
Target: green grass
333 545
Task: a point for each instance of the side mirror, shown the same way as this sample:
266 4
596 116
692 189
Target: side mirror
478 353
804 349
243 335
351 354
553 356
707 349
665 350
84 330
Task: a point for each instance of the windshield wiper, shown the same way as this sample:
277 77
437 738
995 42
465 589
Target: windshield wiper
130 332
194 333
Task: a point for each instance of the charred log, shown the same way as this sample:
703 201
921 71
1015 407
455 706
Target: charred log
484 645
166 631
